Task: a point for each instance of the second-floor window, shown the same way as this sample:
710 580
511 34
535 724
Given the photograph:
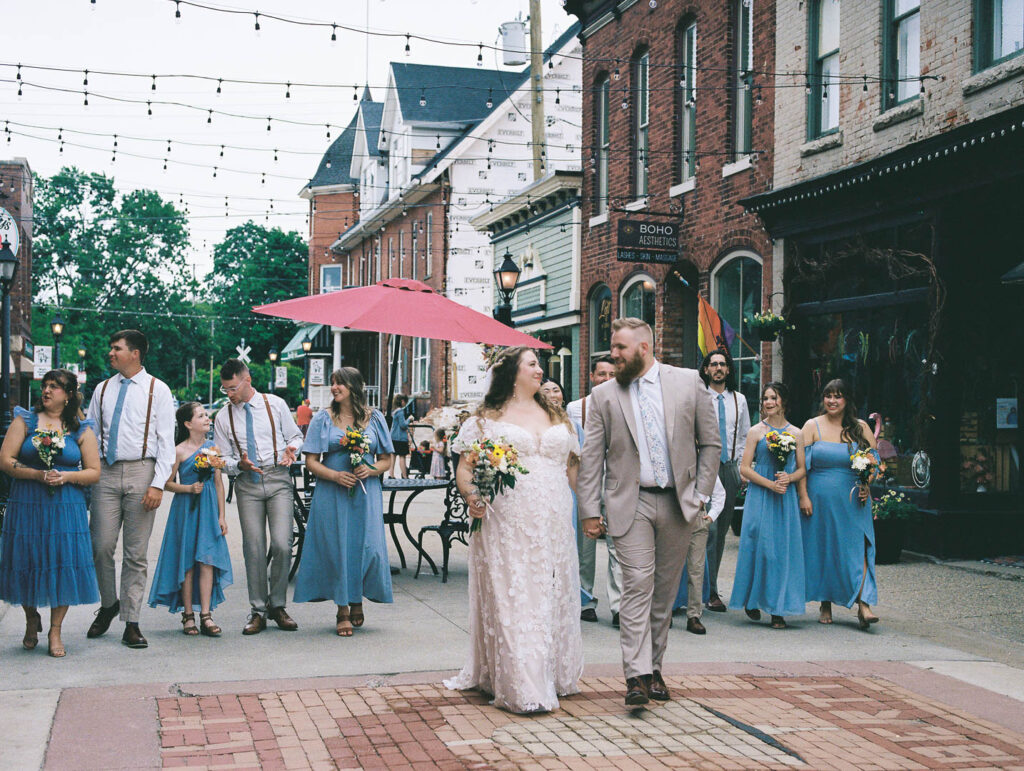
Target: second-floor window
999 31
429 241
823 79
902 51
602 115
688 102
641 93
743 104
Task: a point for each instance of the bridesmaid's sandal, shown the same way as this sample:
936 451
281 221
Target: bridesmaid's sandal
778 622
33 626
55 649
207 627
825 613
865 620
188 624
357 615
753 615
343 627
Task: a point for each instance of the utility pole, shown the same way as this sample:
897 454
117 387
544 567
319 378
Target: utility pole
537 90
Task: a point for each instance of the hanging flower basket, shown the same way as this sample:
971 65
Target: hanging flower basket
767 326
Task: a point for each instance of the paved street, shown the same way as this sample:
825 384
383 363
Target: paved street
947 661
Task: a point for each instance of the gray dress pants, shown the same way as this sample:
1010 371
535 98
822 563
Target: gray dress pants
268 501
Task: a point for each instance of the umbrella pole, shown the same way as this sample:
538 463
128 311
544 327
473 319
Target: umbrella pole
394 373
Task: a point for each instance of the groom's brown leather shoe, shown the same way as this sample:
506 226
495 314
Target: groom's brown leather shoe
636 691
255 624
103 618
657 688
280 617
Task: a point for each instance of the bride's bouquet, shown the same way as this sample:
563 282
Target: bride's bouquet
495 467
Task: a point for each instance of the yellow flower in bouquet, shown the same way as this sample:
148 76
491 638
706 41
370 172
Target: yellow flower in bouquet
781 444
358 445
495 467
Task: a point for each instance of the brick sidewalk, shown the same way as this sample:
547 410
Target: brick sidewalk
716 721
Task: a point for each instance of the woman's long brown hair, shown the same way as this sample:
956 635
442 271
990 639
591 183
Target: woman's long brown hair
853 431
503 384
352 379
68 381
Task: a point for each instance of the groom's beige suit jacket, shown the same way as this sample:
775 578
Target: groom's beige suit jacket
611 444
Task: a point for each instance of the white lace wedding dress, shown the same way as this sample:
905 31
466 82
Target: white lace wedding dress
524 588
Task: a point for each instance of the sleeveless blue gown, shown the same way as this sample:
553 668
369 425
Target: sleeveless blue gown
192 537
345 553
46 549
839 530
770 565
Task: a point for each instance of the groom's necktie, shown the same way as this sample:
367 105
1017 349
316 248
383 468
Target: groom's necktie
655 448
250 441
115 422
721 428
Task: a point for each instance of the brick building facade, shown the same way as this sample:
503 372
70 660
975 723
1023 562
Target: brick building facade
706 119
16 192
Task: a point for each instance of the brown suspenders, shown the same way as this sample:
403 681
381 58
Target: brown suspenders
273 429
583 416
149 414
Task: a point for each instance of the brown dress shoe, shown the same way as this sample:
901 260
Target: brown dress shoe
132 636
103 618
657 689
694 626
280 617
255 624
636 691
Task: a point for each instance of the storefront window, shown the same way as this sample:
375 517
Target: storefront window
736 295
638 299
600 321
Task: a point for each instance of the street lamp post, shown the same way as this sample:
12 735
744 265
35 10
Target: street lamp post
506 277
57 328
273 356
307 346
8 268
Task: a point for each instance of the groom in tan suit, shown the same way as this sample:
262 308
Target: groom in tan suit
654 430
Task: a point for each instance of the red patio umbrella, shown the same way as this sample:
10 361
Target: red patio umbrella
400 306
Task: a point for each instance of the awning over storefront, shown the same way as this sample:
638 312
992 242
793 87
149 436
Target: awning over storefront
294 350
1015 276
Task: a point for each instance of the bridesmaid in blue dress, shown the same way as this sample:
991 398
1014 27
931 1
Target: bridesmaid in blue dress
839 535
345 554
46 550
770 565
194 535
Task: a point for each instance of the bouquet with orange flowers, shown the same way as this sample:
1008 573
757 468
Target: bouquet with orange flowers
358 445
207 461
867 465
781 444
495 467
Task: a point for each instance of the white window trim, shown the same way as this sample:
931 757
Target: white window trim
341 274
637 205
636 278
600 219
736 167
418 387
682 187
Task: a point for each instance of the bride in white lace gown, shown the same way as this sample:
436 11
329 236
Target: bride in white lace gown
525 643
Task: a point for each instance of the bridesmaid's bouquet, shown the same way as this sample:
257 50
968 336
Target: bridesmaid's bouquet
48 444
867 465
208 460
495 466
358 445
781 444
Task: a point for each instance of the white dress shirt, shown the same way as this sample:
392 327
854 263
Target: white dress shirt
717 502
288 434
731 429
650 384
574 410
132 425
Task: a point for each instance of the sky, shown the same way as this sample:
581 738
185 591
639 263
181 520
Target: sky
143 37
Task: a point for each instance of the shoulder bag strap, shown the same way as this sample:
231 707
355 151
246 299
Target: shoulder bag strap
102 392
735 425
231 420
273 430
149 413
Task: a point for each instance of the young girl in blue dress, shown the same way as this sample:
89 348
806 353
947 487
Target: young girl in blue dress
839 534
46 551
770 565
194 535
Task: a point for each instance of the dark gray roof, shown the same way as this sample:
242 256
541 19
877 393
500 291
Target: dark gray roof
462 97
339 156
372 112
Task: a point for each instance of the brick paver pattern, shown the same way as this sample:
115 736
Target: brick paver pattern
714 722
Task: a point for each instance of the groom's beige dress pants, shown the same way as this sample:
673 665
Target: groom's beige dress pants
651 554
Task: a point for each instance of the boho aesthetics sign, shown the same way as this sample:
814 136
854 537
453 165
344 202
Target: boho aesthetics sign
648 241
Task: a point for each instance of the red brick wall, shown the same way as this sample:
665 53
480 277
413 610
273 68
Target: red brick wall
16 186
713 224
330 215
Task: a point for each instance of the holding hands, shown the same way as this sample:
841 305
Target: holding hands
593 528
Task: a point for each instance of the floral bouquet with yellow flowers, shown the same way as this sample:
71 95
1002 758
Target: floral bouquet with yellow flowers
781 444
207 461
48 444
867 465
358 445
495 467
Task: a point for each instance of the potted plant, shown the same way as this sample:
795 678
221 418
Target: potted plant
976 472
767 325
891 512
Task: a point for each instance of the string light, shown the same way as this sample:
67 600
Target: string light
153 87
257 21
423 98
408 50
334 33
177 10
490 99
480 56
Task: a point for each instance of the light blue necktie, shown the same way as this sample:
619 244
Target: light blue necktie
250 441
115 422
721 428
654 446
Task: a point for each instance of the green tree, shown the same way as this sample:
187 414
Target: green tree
255 265
112 261
199 389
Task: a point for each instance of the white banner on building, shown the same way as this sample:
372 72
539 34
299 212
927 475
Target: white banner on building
42 362
316 372
280 377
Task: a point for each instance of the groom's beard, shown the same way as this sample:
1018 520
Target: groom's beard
628 371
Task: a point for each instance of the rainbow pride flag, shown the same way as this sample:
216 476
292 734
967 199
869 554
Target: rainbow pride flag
713 332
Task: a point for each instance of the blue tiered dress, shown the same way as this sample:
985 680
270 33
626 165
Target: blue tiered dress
770 565
46 550
345 553
192 537
839 531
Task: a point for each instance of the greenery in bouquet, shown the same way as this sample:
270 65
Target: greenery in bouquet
781 444
495 467
358 445
867 465
49 445
893 506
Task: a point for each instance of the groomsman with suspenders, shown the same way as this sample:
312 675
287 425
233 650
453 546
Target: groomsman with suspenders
135 421
259 441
